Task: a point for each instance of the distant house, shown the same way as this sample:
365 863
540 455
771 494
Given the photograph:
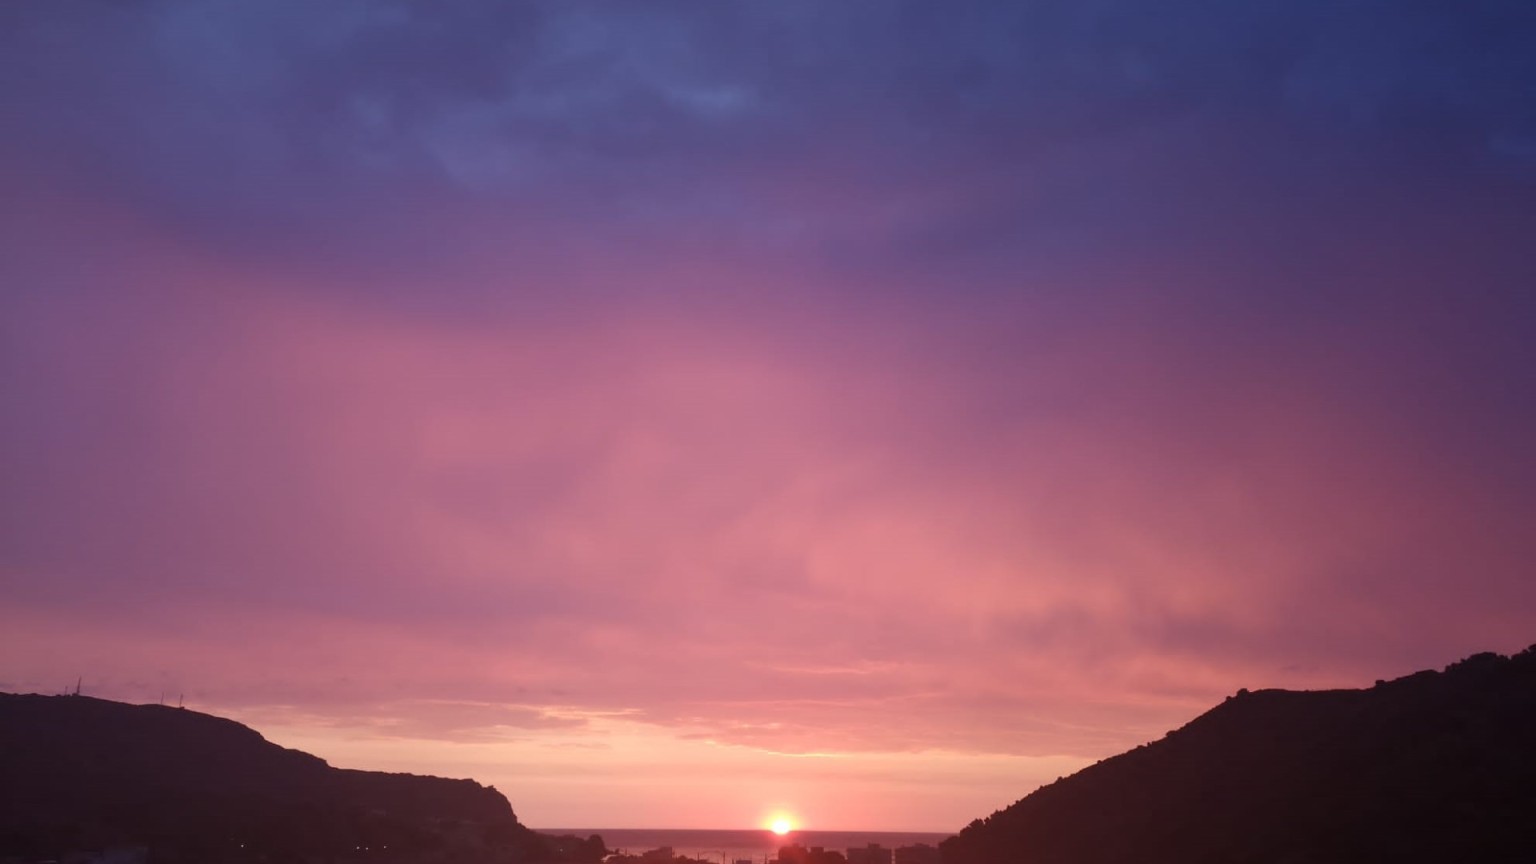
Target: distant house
920 853
797 854
874 853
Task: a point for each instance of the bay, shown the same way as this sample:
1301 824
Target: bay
756 845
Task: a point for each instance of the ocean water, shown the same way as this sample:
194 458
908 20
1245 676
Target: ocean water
753 845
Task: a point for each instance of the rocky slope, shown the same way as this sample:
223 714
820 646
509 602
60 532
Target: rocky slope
77 772
1434 767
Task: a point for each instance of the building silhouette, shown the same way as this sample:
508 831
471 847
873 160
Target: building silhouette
874 853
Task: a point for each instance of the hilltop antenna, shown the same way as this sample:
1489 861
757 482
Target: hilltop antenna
181 699
77 685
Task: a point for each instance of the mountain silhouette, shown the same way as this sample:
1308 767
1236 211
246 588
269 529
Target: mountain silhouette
81 773
1433 767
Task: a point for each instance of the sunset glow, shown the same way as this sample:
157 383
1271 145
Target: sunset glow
666 413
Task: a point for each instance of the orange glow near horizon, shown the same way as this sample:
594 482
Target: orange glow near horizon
781 825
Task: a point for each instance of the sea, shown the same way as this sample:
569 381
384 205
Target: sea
757 845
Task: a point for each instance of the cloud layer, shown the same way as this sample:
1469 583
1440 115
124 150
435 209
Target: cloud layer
899 404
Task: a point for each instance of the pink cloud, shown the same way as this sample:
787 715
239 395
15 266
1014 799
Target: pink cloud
761 518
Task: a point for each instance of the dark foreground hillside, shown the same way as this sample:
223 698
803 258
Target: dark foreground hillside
78 773
1434 767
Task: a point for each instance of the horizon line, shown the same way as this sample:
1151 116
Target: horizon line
744 830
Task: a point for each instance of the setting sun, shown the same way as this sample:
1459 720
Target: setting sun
781 825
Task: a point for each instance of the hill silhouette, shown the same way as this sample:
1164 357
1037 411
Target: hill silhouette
1433 767
81 773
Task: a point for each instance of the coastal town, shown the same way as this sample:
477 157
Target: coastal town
796 853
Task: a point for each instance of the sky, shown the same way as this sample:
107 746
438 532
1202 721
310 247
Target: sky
676 414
